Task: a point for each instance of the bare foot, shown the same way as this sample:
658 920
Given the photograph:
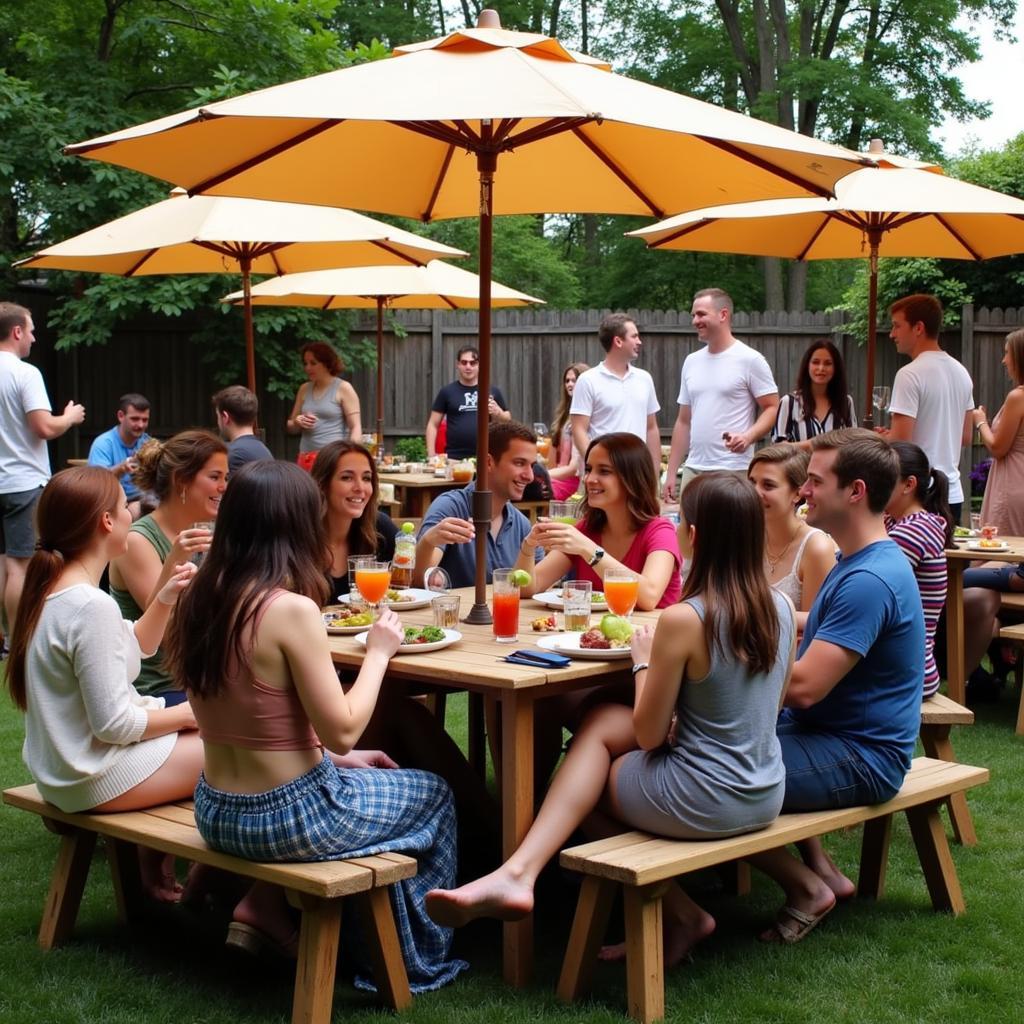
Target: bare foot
825 868
158 878
678 940
264 909
494 895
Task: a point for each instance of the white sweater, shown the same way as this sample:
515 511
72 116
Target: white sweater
84 719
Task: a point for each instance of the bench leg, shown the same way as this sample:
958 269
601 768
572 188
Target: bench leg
1020 709
936 860
645 954
588 927
123 858
66 887
935 740
385 951
477 738
318 959
874 857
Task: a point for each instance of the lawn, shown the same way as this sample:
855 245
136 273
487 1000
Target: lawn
895 961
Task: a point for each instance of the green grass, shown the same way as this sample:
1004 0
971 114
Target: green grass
894 961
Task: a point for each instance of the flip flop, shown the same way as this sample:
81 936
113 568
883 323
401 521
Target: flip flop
257 943
785 934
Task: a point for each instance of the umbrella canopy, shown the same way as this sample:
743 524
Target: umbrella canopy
211 235
889 210
423 134
437 285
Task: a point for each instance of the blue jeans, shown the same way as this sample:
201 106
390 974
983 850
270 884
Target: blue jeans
993 579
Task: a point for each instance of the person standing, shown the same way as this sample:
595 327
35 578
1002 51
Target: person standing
115 449
932 398
728 398
236 408
614 396
27 422
457 404
819 402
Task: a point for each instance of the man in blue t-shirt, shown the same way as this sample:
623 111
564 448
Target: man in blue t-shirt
116 448
853 706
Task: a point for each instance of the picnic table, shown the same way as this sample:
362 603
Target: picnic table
957 560
416 491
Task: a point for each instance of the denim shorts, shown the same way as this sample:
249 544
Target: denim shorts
17 526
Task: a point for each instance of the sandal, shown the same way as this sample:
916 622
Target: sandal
783 933
257 943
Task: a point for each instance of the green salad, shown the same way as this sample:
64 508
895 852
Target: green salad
422 635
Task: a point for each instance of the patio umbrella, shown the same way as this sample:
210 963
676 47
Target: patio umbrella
211 235
900 208
423 134
437 285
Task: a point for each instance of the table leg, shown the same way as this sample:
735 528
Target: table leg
955 684
516 817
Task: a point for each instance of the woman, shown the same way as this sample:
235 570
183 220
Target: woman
347 477
797 557
188 475
918 519
326 407
250 648
92 742
718 662
620 527
565 473
820 401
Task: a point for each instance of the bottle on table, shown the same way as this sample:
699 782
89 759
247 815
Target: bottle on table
404 562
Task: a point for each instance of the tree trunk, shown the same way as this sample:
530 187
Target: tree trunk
774 299
797 284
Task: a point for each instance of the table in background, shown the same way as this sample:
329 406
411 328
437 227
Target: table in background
417 490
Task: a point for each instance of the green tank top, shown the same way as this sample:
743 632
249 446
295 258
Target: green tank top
153 680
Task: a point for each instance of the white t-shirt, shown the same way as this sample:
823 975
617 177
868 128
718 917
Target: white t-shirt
721 390
24 460
615 403
937 391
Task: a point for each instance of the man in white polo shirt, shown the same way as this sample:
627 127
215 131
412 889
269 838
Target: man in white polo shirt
615 396
728 397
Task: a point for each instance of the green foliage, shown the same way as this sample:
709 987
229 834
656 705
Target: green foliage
411 449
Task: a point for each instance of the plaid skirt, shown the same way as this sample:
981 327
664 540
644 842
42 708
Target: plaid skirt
332 813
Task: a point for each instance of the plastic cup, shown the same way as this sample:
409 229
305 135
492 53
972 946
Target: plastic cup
576 605
505 606
446 610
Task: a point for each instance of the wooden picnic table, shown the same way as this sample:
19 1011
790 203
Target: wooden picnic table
475 664
417 490
957 560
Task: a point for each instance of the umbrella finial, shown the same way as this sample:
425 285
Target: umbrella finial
488 18
875 147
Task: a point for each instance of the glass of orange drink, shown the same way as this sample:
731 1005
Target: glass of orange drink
621 589
372 581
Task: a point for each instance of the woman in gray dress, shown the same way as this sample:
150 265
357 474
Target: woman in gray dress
697 757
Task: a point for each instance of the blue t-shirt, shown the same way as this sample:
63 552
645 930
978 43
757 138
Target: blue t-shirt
457 402
109 450
869 603
459 560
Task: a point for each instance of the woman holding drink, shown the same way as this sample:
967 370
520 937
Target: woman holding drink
564 472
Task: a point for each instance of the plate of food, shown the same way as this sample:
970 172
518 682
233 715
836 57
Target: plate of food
553 599
608 640
987 544
963 534
400 600
342 620
420 639
545 624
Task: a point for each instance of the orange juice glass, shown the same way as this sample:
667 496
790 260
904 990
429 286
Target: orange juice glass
504 607
621 589
372 580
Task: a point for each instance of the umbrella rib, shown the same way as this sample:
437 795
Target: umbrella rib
683 232
441 175
136 266
445 299
956 234
757 161
545 130
817 234
619 173
387 247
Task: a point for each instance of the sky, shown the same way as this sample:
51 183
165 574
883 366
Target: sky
995 78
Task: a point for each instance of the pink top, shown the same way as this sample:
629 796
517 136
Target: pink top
656 535
252 714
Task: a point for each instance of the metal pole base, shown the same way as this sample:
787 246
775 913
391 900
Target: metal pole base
479 615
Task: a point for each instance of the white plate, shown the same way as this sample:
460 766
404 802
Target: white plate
451 636
342 630
420 599
553 599
569 643
974 545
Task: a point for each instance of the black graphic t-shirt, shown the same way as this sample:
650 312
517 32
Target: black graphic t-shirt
458 402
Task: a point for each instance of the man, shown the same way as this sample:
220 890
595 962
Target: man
447 535
728 398
932 397
236 408
458 402
26 424
117 447
615 396
853 706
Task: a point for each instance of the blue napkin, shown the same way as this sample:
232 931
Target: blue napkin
539 659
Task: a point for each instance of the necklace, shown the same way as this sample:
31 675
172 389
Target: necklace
773 561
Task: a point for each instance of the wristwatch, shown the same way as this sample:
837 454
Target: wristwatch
597 556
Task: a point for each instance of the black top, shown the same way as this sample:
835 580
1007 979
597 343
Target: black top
247 448
539 489
458 402
386 533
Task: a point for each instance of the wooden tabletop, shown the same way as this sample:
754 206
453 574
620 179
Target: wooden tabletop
419 480
1013 553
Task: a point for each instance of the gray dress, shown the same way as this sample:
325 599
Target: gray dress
723 775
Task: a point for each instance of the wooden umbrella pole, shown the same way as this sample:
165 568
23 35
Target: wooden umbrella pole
250 345
872 328
380 372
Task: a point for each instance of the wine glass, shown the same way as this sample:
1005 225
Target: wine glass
372 580
437 580
880 398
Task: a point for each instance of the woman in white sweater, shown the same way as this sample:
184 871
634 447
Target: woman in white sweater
92 742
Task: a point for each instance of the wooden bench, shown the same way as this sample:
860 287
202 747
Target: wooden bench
1011 602
315 888
938 715
1016 634
645 866
532 509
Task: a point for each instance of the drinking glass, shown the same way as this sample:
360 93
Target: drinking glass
446 610
505 606
354 561
576 605
437 580
621 589
372 581
562 512
880 399
206 524
976 523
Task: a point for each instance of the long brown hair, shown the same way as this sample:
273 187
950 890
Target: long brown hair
631 460
727 570
269 536
1015 345
835 390
67 518
167 465
362 533
564 404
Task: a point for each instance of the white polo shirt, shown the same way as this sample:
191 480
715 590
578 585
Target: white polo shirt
615 403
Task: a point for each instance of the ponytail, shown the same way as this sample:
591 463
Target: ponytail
936 501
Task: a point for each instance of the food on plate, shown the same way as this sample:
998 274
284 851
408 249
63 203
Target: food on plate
613 632
597 596
520 578
398 596
962 531
595 640
335 618
422 635
544 624
990 542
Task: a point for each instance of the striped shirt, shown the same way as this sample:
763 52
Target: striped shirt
922 538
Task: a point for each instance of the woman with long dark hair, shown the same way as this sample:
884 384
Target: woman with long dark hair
250 649
564 471
719 663
92 742
820 401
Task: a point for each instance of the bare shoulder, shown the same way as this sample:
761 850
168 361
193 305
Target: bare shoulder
292 607
680 620
820 544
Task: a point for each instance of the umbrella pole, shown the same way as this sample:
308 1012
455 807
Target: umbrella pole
872 332
380 373
480 613
250 347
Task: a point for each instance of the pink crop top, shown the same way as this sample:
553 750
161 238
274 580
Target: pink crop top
252 714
